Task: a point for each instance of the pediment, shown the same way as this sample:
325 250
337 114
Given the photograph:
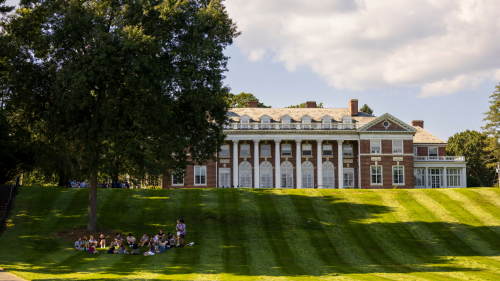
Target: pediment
307 117
387 123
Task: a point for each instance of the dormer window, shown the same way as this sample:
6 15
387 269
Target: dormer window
327 124
306 124
245 123
266 123
285 122
347 121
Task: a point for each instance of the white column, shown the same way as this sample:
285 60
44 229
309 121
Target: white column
298 164
235 163
464 177
256 166
359 164
445 177
340 164
319 165
426 177
277 164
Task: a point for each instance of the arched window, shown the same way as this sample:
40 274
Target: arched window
286 174
245 173
266 174
328 175
307 174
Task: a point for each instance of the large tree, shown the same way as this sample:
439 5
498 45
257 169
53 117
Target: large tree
366 109
141 78
492 129
303 105
472 145
241 100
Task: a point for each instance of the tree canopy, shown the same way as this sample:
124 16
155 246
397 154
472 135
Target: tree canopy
138 78
366 109
303 105
241 100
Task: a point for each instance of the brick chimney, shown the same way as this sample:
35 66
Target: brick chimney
353 107
310 104
419 123
253 103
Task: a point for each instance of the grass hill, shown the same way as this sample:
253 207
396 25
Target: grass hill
248 234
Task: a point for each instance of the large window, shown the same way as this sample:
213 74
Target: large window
224 177
376 174
397 146
266 175
225 151
328 175
245 150
453 176
177 179
307 150
347 149
307 174
286 169
245 174
286 150
375 147
265 150
327 150
433 151
419 174
398 174
349 177
200 175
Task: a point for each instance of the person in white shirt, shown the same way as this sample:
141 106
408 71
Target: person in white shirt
83 184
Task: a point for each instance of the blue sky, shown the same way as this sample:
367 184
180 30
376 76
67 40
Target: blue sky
435 60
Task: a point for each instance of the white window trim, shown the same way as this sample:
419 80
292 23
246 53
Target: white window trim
310 145
381 175
194 172
351 170
402 147
423 178
177 184
323 150
380 146
343 151
404 178
229 150
270 151
429 151
458 176
249 150
291 153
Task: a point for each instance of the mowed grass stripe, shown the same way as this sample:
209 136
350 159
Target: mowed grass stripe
484 199
442 237
447 220
186 259
349 251
478 211
262 260
210 265
394 238
468 220
351 221
313 228
275 233
437 250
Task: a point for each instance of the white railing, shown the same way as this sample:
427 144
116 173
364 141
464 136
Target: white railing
439 158
260 126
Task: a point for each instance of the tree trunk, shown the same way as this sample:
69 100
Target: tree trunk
92 224
62 177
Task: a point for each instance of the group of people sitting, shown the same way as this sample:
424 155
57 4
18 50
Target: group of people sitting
158 243
114 185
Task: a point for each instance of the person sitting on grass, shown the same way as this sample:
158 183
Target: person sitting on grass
135 249
85 242
130 240
144 239
154 239
122 250
92 241
111 249
93 250
171 241
151 251
118 239
161 235
102 241
78 244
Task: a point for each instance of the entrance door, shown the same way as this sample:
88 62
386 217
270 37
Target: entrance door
435 178
224 177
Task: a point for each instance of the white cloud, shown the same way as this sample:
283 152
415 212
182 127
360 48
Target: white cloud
359 45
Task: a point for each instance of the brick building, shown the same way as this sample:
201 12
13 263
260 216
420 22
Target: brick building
325 148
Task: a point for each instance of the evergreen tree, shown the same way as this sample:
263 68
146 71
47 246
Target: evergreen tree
141 78
366 109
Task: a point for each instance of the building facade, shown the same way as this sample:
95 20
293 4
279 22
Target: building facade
325 148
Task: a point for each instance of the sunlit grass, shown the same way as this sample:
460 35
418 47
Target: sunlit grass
248 234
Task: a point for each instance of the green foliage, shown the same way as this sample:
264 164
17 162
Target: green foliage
240 100
492 129
249 234
366 109
303 105
472 145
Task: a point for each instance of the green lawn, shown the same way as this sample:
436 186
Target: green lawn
248 234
